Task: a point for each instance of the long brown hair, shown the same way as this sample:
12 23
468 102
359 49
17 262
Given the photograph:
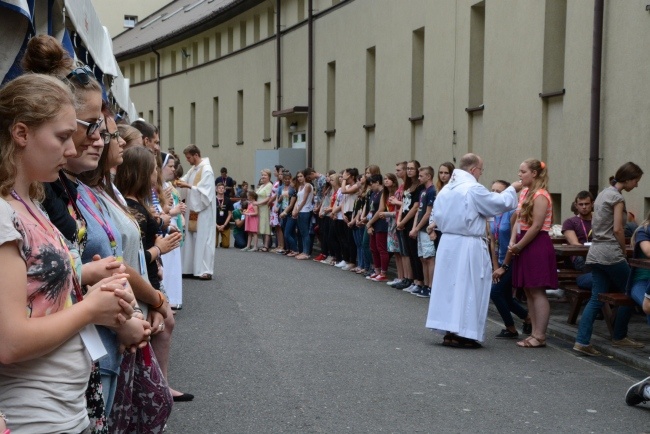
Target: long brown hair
412 183
450 166
33 99
539 183
133 177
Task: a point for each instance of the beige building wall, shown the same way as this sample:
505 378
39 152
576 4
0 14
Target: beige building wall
112 12
393 80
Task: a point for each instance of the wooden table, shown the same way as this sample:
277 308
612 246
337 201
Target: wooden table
565 250
639 263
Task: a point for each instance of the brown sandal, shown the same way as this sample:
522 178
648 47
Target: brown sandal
532 342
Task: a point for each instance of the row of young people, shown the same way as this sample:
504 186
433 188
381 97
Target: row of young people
360 220
80 254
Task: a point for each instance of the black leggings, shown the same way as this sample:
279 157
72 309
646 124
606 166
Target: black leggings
323 235
411 246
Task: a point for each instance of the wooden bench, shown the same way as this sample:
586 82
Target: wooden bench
613 299
577 297
568 274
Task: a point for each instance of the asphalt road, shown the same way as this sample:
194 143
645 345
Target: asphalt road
276 345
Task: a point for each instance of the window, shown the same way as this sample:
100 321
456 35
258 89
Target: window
195 53
331 97
242 34
215 122
267 111
173 61
217 45
240 117
417 74
256 28
142 70
152 68
370 86
554 45
151 117
231 37
476 54
301 10
171 127
193 123
184 56
206 49
270 15
130 21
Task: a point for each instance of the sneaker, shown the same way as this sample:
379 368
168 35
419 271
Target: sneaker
371 276
635 394
412 287
507 334
380 278
418 290
368 274
245 249
587 350
320 257
347 267
341 264
627 343
426 292
327 260
405 283
395 281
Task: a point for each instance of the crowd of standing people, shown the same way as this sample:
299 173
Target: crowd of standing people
99 226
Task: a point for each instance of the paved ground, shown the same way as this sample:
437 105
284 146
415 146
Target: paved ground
278 345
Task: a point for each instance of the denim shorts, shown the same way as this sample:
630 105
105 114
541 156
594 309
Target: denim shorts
426 249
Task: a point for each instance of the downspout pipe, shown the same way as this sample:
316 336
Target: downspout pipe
278 72
310 85
596 75
157 87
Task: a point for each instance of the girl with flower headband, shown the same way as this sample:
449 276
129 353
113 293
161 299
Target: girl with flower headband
534 268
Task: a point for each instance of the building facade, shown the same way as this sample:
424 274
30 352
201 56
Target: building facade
398 80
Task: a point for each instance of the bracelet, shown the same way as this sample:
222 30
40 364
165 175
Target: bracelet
162 300
506 267
159 252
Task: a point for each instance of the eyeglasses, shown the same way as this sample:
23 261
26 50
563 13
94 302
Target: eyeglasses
109 136
410 168
91 127
83 74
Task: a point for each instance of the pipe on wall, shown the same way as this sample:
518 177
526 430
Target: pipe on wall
278 73
157 87
596 75
310 85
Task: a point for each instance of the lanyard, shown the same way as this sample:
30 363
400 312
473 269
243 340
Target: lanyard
101 221
497 225
584 229
81 235
75 283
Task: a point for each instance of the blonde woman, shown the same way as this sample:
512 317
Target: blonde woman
264 197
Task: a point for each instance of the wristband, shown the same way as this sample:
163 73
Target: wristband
506 267
162 300
158 249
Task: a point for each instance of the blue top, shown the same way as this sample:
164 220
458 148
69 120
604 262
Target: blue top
427 197
98 244
502 237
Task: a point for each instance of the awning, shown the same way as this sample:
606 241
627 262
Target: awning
96 40
296 110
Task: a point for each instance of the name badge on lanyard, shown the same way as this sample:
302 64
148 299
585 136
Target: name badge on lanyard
92 342
143 265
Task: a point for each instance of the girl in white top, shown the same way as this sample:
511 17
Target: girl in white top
303 211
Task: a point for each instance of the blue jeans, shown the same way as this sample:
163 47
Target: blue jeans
604 277
501 296
290 234
304 219
638 291
240 239
357 232
365 247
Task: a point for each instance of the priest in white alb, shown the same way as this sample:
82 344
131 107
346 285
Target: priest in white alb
460 291
197 188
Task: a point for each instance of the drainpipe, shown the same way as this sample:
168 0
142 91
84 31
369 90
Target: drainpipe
278 73
310 85
157 86
596 66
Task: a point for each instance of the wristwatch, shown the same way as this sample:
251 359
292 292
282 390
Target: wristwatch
506 267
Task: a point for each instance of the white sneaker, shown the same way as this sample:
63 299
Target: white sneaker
394 281
327 260
341 264
347 267
410 288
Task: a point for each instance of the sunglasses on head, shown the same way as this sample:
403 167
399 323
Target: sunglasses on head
91 127
83 74
107 137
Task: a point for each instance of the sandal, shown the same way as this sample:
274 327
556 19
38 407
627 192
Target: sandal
279 251
532 342
263 249
292 254
205 277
